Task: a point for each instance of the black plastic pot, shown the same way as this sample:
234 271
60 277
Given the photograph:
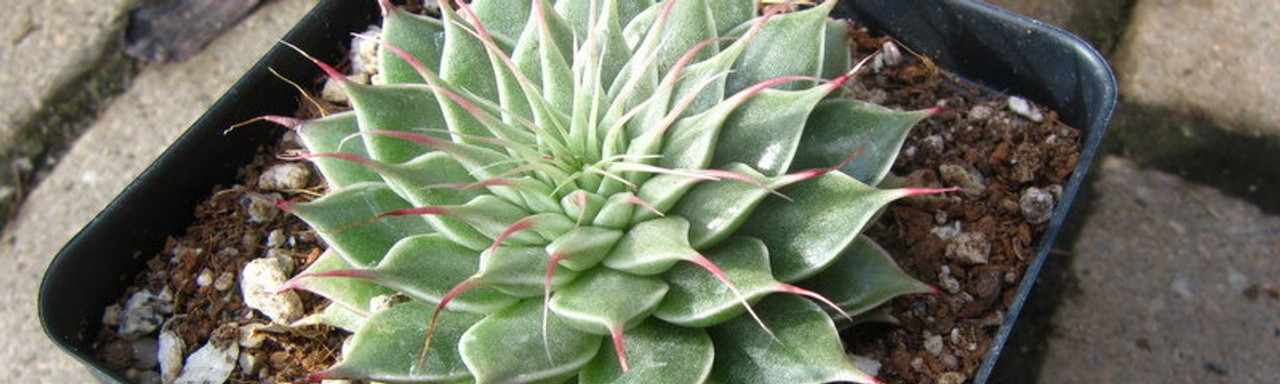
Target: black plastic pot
990 46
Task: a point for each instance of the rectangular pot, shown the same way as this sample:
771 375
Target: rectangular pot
984 44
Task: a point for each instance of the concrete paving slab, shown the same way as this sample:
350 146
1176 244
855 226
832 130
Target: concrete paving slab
162 102
1176 284
1101 22
1209 57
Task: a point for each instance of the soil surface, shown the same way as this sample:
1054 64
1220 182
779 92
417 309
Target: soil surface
973 245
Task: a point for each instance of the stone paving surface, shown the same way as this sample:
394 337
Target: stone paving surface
1174 283
1164 266
135 128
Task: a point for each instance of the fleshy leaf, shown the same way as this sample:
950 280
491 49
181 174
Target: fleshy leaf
697 299
505 18
326 135
518 271
585 246
806 235
465 64
335 315
413 181
422 37
353 294
389 346
395 108
807 349
849 126
340 216
507 347
790 44
659 353
428 267
602 300
864 277
652 247
717 208
836 58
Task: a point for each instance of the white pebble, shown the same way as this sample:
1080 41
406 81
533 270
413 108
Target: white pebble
112 315
224 281
933 344
892 55
285 176
948 281
276 238
261 209
1023 108
866 364
251 335
211 364
258 283
969 248
170 356
250 362
1037 205
144 312
980 112
287 264
934 142
952 378
946 232
204 278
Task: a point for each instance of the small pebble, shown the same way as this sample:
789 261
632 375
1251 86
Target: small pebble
980 112
287 263
1023 108
865 364
951 378
224 281
949 360
250 362
917 364
169 355
946 232
955 337
1011 277
1037 205
333 92
933 344
112 315
933 142
261 208
962 177
276 238
364 52
940 217
209 364
969 248
948 281
258 283
204 278
285 176
144 312
251 335
892 55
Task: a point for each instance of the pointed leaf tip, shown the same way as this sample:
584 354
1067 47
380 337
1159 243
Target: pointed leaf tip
329 70
907 192
283 121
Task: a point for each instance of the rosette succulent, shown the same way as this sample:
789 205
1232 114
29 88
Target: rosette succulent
604 191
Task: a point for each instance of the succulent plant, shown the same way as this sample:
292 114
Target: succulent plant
613 191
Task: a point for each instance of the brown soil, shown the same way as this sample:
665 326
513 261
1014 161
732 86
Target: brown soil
976 131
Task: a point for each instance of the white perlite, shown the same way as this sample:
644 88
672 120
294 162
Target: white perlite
1037 205
170 356
866 364
969 248
1023 108
210 364
258 283
145 311
284 176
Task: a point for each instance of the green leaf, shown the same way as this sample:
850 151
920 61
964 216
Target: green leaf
603 300
689 23
353 294
508 347
764 132
492 216
659 353
335 315
807 349
339 217
616 212
326 135
504 18
839 128
519 271
422 37
663 192
863 277
790 44
584 247
806 235
411 180
465 64
698 299
427 267
388 347
395 108
715 209
652 247
731 13
836 58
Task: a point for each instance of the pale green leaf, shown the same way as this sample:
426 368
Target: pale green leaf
334 315
341 218
836 60
839 128
807 349
427 267
395 108
603 300
807 235
863 277
327 135
389 346
520 271
659 353
790 44
353 294
508 347
652 247
698 299
422 37
584 247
